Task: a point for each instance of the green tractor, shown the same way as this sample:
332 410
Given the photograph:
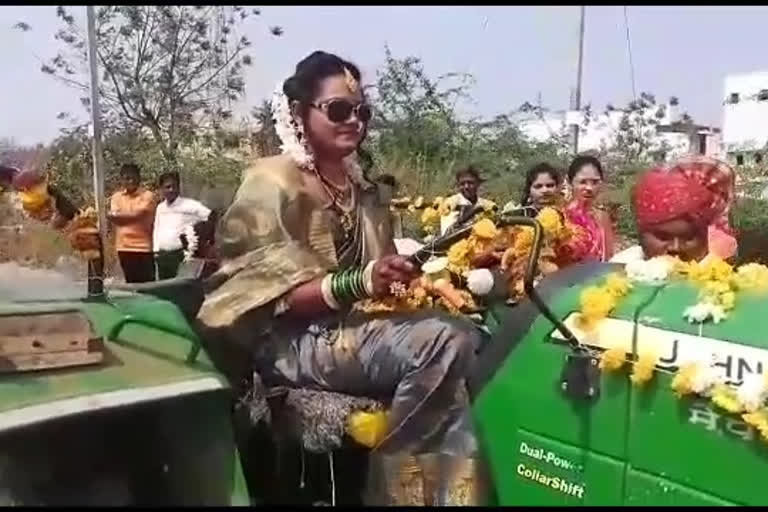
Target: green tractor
145 418
555 430
109 399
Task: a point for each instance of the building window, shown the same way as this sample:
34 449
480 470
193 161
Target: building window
733 98
762 95
758 158
739 159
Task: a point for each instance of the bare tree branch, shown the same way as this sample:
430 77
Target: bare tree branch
165 68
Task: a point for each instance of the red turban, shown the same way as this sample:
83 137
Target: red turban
696 187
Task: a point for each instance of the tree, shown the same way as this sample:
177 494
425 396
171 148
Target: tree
415 114
633 136
168 70
418 136
264 140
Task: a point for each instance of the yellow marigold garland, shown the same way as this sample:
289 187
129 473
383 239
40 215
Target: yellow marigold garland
682 383
726 398
613 359
643 369
751 277
597 302
759 421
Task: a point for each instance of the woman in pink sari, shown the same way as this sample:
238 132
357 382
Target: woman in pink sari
585 175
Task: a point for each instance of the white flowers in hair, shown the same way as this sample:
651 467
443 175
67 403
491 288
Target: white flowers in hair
287 131
480 281
192 242
654 271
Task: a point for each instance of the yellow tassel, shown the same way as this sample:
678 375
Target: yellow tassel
367 428
643 369
613 359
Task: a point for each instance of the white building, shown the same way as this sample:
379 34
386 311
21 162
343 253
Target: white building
745 117
599 133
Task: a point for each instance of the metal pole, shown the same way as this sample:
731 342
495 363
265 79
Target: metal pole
576 94
98 157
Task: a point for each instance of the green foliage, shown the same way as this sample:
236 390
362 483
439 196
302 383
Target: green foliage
169 71
417 133
418 136
750 214
264 141
70 165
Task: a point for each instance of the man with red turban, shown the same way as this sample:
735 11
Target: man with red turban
681 210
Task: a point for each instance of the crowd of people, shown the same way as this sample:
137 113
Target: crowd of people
151 236
681 209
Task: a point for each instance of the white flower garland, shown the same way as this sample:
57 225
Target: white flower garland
703 311
704 379
654 271
480 281
752 392
192 242
751 395
288 131
435 266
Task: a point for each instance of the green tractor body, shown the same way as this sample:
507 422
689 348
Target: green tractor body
627 444
149 424
152 423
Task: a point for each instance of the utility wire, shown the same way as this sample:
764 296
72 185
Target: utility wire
629 51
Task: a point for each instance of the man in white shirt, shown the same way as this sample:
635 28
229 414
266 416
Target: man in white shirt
468 182
173 216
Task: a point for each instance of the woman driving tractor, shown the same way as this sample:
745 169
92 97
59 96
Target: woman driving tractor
305 238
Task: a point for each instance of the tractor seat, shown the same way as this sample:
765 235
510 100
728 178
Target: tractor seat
317 419
185 292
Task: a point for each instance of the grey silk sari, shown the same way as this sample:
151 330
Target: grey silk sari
276 236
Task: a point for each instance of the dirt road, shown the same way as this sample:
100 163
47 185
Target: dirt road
23 283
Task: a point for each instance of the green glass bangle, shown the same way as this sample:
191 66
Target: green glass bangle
340 287
348 285
357 289
335 286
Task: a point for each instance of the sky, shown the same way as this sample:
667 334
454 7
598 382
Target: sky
515 54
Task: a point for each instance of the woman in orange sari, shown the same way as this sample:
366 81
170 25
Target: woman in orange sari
585 176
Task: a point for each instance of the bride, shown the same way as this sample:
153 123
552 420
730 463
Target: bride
306 237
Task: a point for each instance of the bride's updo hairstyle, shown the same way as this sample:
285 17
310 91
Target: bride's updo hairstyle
312 70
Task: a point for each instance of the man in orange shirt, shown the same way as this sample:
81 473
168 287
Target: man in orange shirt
132 211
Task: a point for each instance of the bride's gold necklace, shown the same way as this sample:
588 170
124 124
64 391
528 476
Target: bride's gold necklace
343 208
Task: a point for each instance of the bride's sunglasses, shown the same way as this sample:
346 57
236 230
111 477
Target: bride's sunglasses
339 111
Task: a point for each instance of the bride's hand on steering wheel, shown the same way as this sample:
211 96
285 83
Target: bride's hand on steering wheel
391 269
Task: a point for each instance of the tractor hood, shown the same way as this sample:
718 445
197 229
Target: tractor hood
633 444
150 352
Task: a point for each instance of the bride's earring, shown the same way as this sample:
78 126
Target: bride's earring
301 137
